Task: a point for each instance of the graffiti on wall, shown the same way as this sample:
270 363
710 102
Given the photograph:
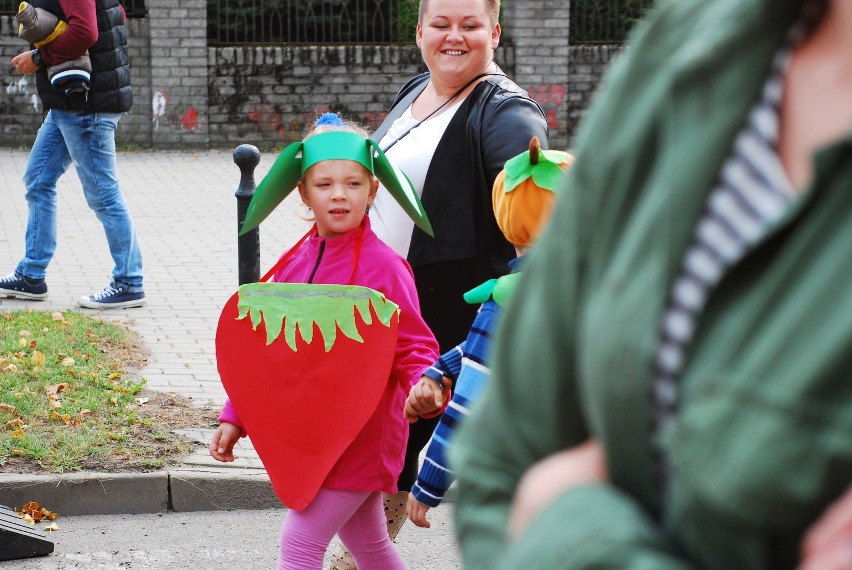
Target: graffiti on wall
550 97
186 119
267 117
21 88
372 120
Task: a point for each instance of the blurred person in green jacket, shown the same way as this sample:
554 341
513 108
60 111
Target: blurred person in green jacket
671 379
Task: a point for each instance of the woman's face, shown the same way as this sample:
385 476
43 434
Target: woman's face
457 40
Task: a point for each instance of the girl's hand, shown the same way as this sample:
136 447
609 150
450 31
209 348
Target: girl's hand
425 397
828 542
223 441
552 476
417 512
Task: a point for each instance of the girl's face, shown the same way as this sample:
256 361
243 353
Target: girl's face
457 39
339 193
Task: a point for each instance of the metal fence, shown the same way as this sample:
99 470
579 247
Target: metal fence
231 22
235 22
605 21
133 8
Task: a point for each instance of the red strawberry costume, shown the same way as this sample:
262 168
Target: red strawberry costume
374 458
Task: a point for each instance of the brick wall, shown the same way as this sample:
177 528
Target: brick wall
538 30
189 95
586 66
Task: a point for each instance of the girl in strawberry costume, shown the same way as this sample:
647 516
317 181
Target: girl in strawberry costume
318 375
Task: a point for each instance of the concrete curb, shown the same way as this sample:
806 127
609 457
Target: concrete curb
181 489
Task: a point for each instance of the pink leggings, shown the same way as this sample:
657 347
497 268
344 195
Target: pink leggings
357 517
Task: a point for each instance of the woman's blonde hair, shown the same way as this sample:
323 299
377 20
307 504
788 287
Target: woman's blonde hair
491 6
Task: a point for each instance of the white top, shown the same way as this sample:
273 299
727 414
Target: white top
412 154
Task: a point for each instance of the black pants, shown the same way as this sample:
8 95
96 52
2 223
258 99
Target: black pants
440 287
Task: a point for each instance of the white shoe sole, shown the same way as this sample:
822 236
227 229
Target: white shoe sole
9 294
89 304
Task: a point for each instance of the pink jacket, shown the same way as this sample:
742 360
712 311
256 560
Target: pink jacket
374 460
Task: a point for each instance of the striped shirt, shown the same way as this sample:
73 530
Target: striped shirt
752 192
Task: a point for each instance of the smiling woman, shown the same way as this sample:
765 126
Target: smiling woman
451 130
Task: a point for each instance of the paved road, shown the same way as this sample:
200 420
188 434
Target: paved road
185 212
222 540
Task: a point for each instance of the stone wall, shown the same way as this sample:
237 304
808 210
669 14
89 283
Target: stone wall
587 64
189 95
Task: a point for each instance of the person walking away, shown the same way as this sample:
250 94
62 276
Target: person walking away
79 127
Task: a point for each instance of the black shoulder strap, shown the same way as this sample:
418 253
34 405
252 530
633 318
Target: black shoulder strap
397 111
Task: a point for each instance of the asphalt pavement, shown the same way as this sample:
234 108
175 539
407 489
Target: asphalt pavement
184 208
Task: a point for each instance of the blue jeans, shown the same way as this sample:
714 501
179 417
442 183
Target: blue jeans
89 141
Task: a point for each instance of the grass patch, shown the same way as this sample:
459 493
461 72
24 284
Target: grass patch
70 399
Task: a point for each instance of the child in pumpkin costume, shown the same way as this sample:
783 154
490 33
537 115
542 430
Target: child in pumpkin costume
340 254
523 196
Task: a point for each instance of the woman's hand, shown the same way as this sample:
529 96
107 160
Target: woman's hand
552 476
417 512
425 397
828 542
223 441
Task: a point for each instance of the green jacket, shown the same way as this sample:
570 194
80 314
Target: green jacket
762 442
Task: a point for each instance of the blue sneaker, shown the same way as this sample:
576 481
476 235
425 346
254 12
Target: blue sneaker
17 286
113 296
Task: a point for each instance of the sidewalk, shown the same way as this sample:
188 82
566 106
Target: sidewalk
184 208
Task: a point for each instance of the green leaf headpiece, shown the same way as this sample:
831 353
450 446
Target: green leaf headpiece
298 157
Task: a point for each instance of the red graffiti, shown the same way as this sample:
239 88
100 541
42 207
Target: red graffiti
550 97
266 117
373 120
189 119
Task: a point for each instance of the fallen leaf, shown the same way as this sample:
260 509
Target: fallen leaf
67 361
22 341
52 527
38 358
18 433
57 316
25 333
10 368
17 422
142 400
18 453
114 375
3 361
56 388
8 408
45 330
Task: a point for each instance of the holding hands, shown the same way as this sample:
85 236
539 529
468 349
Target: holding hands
425 397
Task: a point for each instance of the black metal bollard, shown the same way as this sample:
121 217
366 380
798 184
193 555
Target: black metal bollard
247 157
